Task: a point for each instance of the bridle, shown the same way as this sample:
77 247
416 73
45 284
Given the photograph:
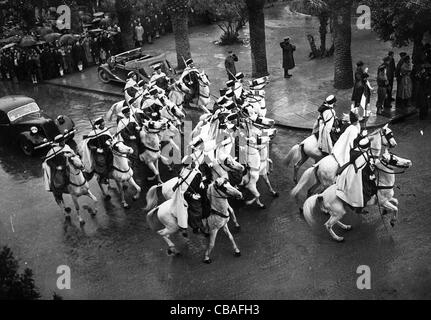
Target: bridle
118 153
77 174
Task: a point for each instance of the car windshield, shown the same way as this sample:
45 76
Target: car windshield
23 111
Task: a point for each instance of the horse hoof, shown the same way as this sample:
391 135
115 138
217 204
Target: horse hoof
126 206
68 210
81 223
135 198
349 228
107 197
262 207
275 194
237 254
207 261
392 223
237 228
339 239
172 252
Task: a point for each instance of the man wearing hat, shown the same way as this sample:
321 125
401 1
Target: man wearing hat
128 129
229 65
325 122
96 153
390 72
398 70
131 80
54 167
424 90
357 176
383 87
360 84
191 80
159 77
341 149
288 60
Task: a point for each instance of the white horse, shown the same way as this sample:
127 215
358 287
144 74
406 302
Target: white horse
204 97
323 173
256 98
170 217
77 186
218 193
177 93
121 172
257 161
152 153
328 202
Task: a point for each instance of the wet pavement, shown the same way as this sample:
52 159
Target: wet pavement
292 102
116 255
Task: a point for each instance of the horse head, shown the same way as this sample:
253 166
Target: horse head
204 79
388 137
391 160
121 148
224 187
229 163
76 162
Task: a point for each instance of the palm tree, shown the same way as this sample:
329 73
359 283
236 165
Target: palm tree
320 9
341 17
257 37
178 11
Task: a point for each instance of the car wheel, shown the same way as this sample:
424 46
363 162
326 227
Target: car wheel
103 76
26 146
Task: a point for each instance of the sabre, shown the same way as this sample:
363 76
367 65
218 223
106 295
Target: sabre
232 75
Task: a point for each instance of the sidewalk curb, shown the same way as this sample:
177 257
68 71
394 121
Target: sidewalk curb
277 124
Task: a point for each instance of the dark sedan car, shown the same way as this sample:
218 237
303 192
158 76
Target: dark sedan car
24 124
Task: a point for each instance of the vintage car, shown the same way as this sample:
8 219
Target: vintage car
22 123
136 60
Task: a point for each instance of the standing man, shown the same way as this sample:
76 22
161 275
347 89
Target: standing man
229 64
390 72
398 72
288 60
383 88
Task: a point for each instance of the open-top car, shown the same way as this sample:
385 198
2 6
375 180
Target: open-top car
24 124
136 60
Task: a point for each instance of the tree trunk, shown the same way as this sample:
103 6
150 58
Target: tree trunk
257 37
343 75
124 14
323 18
178 11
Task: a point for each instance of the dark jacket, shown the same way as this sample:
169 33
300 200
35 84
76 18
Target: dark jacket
229 64
360 83
288 60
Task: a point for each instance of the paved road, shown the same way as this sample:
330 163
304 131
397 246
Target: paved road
117 256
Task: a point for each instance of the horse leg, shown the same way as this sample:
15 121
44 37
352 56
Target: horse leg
298 165
165 233
270 166
235 221
153 168
211 242
344 226
137 187
75 201
330 223
388 205
92 197
66 210
268 183
236 251
122 195
253 189
105 195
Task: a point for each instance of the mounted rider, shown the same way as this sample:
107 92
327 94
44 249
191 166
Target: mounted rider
341 149
160 78
128 128
154 103
324 125
356 183
131 87
190 77
95 149
55 167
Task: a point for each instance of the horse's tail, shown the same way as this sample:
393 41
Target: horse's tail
293 155
152 198
311 208
308 179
